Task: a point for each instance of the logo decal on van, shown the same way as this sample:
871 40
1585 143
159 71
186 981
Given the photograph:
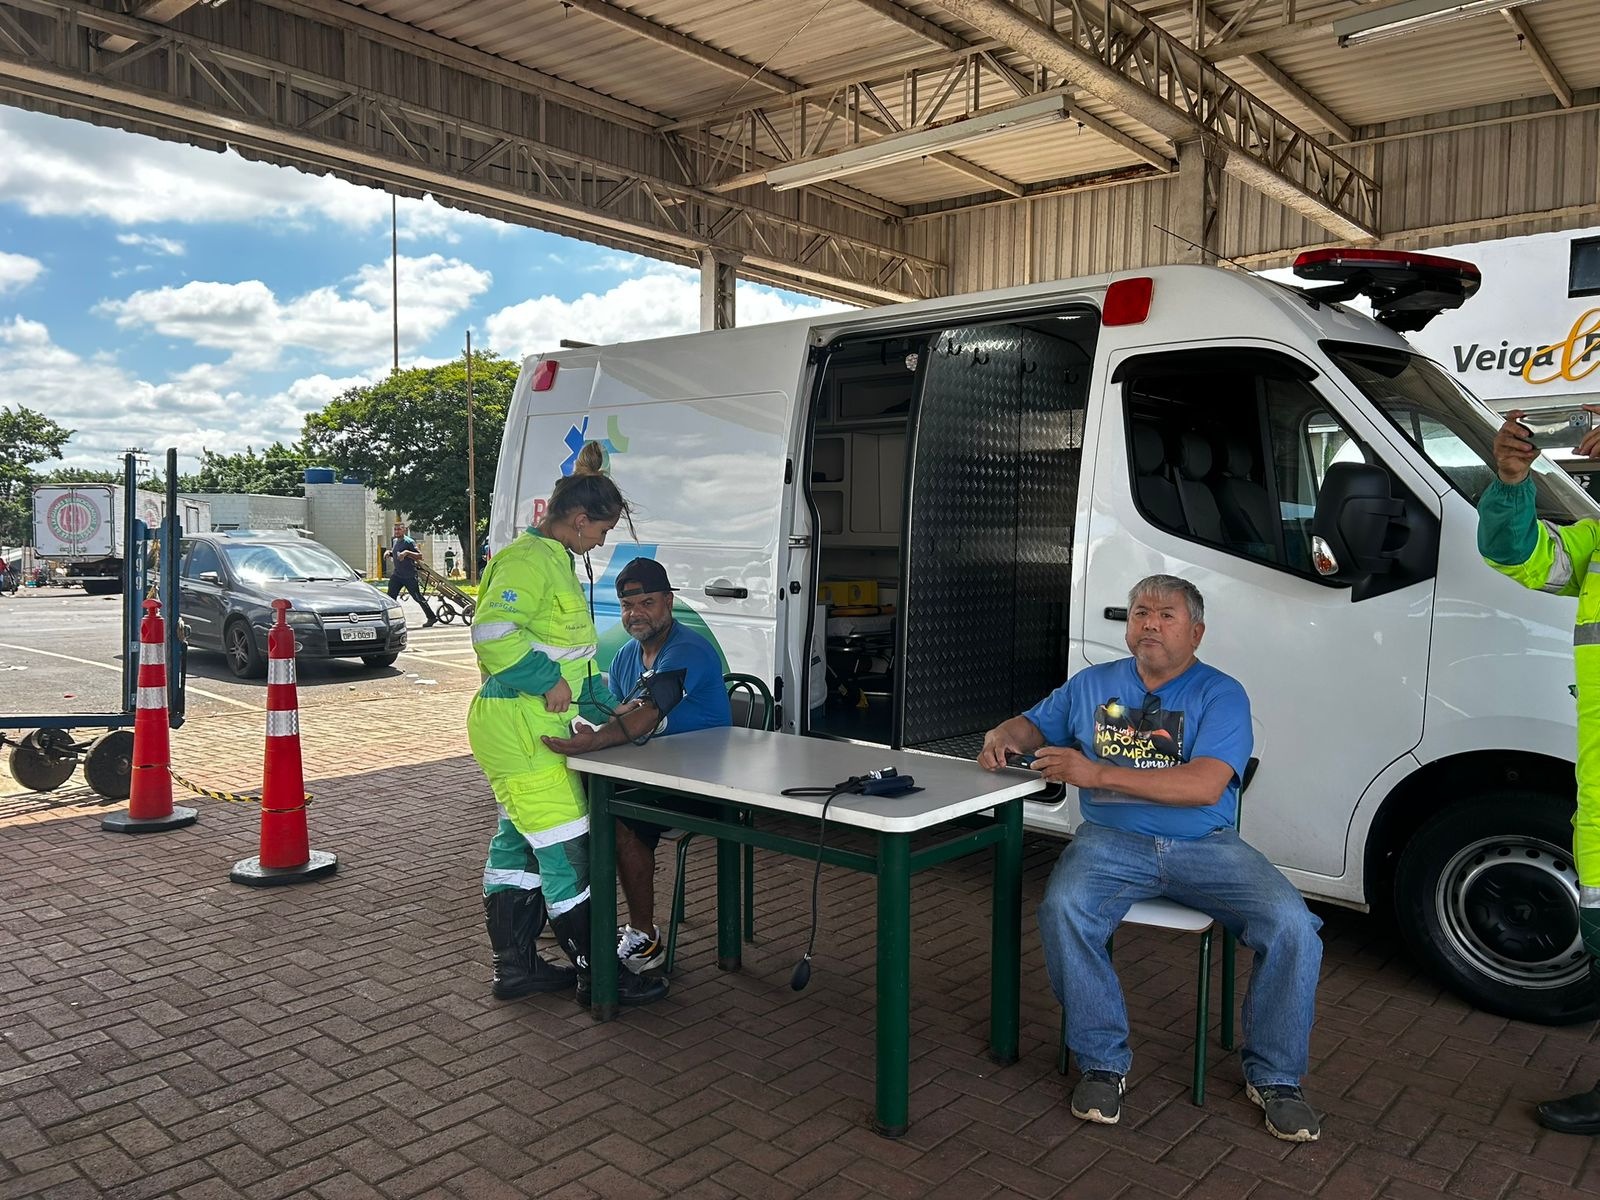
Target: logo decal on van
577 435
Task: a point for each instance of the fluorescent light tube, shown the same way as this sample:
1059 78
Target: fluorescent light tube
901 147
1408 16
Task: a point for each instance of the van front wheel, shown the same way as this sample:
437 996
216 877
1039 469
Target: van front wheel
1487 895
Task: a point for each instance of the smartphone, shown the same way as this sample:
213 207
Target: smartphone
1557 428
1025 761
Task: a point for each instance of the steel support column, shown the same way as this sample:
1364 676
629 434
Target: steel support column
718 275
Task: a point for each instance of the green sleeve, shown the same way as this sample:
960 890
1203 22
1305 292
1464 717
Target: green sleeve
1537 554
1507 528
597 702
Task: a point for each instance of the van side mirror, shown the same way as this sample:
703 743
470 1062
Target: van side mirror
1366 536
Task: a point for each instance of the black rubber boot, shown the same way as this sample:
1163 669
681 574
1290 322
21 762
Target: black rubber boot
572 930
1574 1114
514 919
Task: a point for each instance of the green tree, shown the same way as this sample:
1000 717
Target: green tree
80 475
27 438
278 470
407 436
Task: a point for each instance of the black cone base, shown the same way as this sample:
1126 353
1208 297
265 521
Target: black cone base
251 873
121 822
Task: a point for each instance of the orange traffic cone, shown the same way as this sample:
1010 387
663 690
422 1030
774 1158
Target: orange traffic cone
286 855
150 806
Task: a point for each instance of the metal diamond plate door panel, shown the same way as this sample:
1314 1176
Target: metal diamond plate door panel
960 596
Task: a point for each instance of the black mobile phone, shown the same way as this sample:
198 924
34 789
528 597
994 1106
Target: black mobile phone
1024 761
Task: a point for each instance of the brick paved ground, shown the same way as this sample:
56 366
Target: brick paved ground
167 1033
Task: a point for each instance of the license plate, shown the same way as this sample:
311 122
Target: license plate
359 635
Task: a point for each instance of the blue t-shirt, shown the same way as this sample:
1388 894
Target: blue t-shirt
705 696
1106 712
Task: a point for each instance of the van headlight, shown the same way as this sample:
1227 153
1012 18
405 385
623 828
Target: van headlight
397 615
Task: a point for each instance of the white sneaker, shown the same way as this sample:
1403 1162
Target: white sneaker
640 951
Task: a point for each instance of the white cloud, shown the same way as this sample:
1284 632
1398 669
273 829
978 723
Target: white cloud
152 243
660 303
250 323
17 271
64 168
111 409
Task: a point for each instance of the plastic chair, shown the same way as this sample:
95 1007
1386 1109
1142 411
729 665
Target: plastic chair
749 694
1179 918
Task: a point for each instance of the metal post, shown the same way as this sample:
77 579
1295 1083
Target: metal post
472 479
719 274
894 982
1005 984
170 545
602 899
729 952
394 266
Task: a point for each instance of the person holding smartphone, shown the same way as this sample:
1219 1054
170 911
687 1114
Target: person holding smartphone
1550 558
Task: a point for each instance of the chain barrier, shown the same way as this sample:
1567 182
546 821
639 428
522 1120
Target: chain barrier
227 797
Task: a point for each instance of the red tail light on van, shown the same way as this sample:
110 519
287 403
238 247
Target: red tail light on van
1128 301
544 375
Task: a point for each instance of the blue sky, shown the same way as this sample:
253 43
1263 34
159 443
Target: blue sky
157 294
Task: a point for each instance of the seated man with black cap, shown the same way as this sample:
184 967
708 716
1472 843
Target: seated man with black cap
680 658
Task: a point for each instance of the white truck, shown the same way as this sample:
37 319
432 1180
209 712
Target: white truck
79 528
1003 466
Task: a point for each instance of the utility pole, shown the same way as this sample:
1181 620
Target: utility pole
394 266
472 479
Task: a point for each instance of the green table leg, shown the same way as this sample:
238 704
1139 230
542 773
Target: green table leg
729 954
602 899
894 982
1005 964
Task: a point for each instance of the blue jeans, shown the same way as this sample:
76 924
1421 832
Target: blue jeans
1097 879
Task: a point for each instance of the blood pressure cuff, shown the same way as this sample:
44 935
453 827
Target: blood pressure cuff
664 689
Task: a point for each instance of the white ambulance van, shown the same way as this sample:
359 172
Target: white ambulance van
982 478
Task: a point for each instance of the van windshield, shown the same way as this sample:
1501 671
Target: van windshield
1450 427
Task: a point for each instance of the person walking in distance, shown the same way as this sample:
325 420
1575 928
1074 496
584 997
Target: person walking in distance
403 574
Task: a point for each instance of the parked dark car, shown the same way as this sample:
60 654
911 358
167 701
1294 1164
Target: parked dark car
229 581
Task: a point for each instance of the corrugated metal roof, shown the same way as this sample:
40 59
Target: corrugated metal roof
1461 65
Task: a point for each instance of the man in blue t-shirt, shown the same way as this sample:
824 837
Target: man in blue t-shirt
1157 746
698 699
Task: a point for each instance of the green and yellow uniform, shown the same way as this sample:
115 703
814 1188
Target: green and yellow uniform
1556 559
532 629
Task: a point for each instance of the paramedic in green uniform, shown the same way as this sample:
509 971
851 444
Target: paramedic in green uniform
535 643
1551 558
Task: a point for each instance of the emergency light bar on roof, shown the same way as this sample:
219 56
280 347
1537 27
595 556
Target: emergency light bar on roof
1407 289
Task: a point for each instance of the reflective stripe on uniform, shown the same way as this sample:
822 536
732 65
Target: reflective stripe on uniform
527 881
1589 897
1587 634
152 697
152 654
563 653
280 670
283 724
557 834
1561 564
557 907
487 632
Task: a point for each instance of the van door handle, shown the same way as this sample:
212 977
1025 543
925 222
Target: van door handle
727 591
1117 614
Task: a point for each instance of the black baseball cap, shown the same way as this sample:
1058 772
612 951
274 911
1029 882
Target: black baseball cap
642 576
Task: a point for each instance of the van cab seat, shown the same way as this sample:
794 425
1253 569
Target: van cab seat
1157 493
1200 510
1246 507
